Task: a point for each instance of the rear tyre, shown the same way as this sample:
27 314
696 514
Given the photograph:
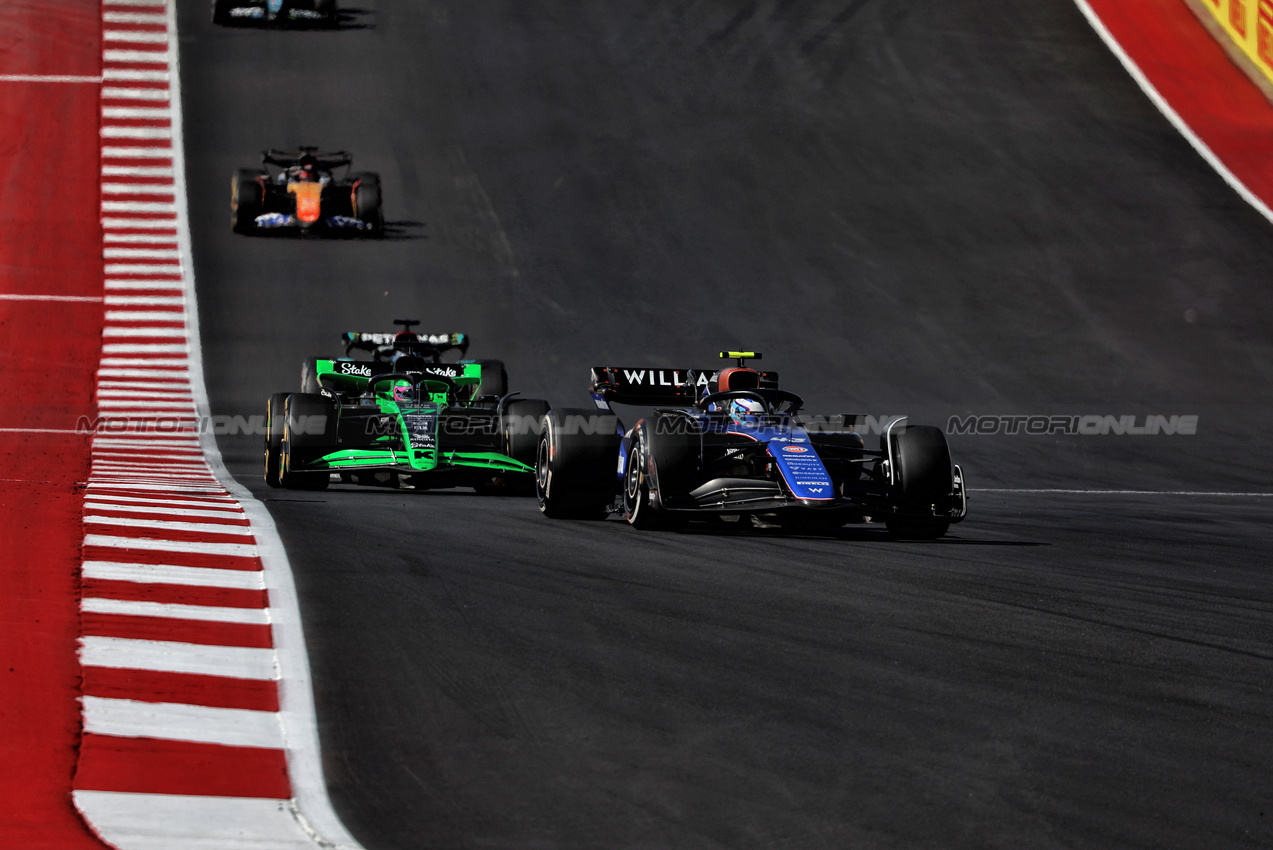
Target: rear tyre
367 202
576 464
274 438
522 425
305 437
246 200
925 479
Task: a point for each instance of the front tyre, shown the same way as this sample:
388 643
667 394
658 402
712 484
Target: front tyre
925 480
300 433
522 426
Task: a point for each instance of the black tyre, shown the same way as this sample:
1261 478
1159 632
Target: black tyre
309 376
367 202
305 437
494 379
925 479
522 425
221 11
274 438
576 463
246 200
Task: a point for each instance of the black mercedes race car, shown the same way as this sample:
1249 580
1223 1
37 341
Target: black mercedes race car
731 446
301 190
322 12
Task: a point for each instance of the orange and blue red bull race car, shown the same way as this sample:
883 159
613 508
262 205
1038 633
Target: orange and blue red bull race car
307 191
731 446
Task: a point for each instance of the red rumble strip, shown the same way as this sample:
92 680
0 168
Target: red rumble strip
50 320
1223 114
187 737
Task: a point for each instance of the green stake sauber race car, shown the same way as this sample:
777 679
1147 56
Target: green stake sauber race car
403 418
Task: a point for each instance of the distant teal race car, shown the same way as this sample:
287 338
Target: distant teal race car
403 418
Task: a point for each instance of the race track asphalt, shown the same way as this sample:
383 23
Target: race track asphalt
939 209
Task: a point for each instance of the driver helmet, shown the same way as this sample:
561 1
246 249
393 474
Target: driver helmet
308 170
745 410
403 391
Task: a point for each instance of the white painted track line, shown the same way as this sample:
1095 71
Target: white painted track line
230 727
161 487
169 822
173 574
169 525
162 510
239 662
205 613
150 544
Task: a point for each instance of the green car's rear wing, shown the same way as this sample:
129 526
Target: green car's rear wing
354 375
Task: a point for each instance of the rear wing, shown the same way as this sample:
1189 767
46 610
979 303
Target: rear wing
425 344
650 387
342 374
325 161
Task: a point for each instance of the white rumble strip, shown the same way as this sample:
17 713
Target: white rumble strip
192 650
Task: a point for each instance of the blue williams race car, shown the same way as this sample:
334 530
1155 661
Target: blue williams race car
731 446
321 12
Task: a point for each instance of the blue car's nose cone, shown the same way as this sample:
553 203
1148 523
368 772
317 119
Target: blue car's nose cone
802 469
